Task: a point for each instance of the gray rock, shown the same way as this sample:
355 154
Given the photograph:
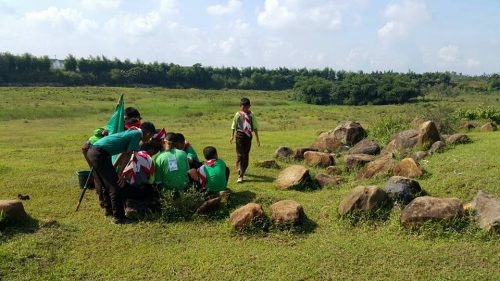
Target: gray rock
437 147
299 153
489 127
458 139
246 215
487 208
419 155
284 152
356 161
292 176
364 198
402 189
427 208
428 134
379 167
366 146
314 158
326 180
287 212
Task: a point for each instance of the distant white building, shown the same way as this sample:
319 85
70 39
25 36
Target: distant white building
56 64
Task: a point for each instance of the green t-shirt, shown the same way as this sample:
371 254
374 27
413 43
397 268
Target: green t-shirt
191 153
215 176
171 171
120 142
238 122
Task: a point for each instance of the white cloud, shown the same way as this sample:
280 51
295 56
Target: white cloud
101 4
302 14
134 24
169 6
449 54
60 18
473 62
232 6
402 17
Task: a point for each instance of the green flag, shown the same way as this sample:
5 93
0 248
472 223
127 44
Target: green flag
117 122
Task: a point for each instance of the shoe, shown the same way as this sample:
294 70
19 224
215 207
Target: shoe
123 220
239 180
107 212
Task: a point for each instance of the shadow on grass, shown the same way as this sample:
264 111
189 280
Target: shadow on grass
11 229
258 178
380 215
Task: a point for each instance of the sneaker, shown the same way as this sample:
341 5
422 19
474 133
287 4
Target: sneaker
123 220
239 180
107 212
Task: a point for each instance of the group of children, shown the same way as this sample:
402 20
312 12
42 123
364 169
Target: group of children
150 162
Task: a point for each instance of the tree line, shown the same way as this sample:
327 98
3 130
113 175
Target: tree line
318 86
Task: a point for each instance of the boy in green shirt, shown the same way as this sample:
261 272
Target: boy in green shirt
172 167
192 156
214 174
99 156
244 126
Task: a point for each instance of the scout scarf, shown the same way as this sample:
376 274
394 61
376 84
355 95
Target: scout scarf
247 122
203 175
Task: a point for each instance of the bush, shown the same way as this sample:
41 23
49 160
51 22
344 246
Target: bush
489 113
313 90
383 129
180 206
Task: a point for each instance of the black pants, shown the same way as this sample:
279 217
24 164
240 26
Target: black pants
243 146
112 193
97 182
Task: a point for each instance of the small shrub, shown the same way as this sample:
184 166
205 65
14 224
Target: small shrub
180 206
383 129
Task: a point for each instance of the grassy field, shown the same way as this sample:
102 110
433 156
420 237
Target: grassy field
42 130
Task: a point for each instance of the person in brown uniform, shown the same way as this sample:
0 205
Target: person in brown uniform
243 127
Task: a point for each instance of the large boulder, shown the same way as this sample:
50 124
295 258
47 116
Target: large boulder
427 208
326 142
299 153
402 189
287 212
366 146
489 127
268 164
314 158
12 210
408 168
401 142
438 146
348 133
356 161
244 216
378 167
327 180
458 139
292 176
364 198
284 152
428 134
487 208
333 170
419 155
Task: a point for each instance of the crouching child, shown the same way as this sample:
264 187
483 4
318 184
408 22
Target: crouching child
213 175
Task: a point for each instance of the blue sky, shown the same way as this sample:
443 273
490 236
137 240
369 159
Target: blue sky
400 35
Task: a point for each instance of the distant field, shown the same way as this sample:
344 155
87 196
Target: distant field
42 130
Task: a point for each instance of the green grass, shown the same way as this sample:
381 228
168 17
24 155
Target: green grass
42 132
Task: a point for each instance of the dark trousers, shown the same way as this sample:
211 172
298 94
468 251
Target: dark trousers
243 146
112 193
97 182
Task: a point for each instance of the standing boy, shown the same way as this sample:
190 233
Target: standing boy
99 156
244 126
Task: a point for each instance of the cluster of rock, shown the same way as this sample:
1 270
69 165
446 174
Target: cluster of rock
487 127
284 212
419 208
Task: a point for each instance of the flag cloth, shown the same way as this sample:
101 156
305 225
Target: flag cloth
116 123
139 168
